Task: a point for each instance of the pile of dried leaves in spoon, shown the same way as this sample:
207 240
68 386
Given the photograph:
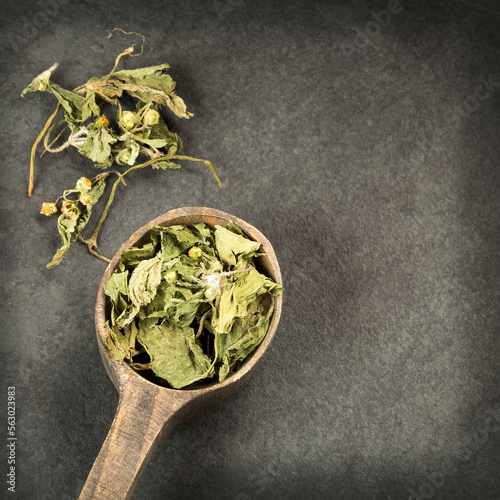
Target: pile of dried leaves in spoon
190 304
115 136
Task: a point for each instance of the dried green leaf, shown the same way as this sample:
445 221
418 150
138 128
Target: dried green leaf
127 315
67 228
203 230
114 342
40 82
116 285
184 312
150 85
121 344
237 297
176 239
77 108
153 143
175 355
134 255
177 106
90 107
247 335
144 281
72 103
140 74
166 297
97 146
230 244
229 310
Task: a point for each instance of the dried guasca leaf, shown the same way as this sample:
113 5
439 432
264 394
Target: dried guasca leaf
175 355
192 301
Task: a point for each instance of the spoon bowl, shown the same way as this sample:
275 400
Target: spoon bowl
146 411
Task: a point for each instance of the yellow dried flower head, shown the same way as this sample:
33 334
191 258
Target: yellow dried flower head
195 253
83 184
103 121
48 209
171 277
84 198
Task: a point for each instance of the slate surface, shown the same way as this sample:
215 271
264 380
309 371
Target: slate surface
362 138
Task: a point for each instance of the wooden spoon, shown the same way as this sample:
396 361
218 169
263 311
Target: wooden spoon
146 411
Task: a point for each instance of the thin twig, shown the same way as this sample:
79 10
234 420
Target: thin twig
129 51
206 162
215 356
91 249
35 145
92 241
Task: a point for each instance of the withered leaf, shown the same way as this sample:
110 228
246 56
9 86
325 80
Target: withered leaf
98 144
175 355
144 281
230 244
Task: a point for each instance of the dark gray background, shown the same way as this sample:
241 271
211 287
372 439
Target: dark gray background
366 148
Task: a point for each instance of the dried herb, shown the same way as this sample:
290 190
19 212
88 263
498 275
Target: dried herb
189 305
102 129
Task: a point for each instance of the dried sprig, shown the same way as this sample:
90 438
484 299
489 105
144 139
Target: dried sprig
107 139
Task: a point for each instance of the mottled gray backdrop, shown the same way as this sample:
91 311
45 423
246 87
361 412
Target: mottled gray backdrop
362 138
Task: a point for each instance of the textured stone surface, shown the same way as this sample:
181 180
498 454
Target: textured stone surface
362 138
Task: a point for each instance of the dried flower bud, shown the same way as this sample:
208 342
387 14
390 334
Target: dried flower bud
195 253
69 209
103 121
128 119
84 198
171 277
48 209
83 184
151 117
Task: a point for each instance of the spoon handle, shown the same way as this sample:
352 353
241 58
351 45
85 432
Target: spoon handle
141 421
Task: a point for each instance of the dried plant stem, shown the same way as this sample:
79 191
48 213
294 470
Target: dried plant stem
35 145
140 366
206 162
37 142
124 53
92 241
92 251
70 142
215 355
130 49
47 135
